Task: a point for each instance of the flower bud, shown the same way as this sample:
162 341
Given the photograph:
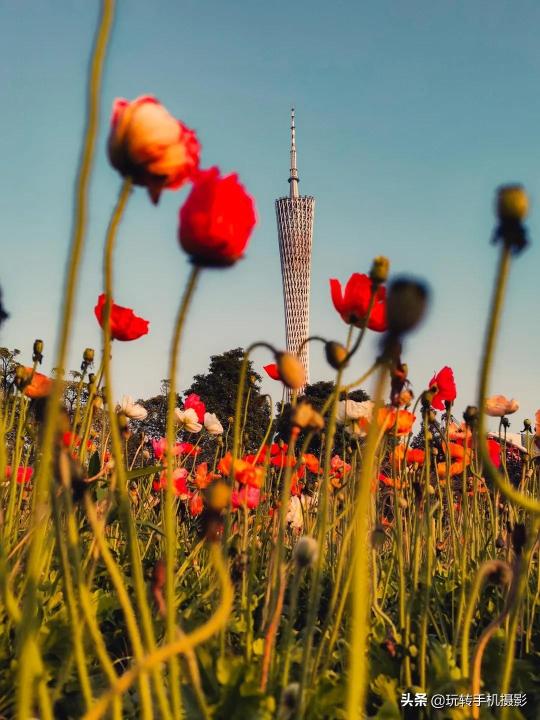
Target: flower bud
336 355
305 416
38 351
378 536
291 370
88 356
91 379
23 376
512 202
306 551
527 425
123 422
406 304
219 496
470 415
505 422
98 403
379 270
290 696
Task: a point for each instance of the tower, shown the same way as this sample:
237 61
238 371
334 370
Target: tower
295 215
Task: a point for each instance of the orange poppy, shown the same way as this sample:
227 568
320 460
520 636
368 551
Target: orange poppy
388 417
40 386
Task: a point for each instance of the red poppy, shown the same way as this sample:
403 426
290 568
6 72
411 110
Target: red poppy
411 457
446 388
125 325
244 472
194 401
217 219
196 505
203 478
24 474
179 478
494 452
246 496
311 462
272 371
353 304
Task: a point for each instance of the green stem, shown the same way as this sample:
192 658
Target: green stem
170 520
27 640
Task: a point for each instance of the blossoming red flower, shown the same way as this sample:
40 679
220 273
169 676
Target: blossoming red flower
149 145
125 325
446 388
216 220
353 304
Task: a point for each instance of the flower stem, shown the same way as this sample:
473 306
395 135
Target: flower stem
27 640
170 520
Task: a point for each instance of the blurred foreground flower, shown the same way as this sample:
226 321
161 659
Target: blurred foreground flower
40 385
353 304
499 405
216 220
125 325
24 474
150 146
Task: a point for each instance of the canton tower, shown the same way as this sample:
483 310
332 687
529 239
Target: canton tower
295 232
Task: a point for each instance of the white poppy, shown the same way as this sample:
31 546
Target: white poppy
188 419
356 416
131 409
295 515
212 424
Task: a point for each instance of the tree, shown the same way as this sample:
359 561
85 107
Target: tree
8 365
218 387
316 394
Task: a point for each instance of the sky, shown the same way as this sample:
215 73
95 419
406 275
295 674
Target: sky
409 115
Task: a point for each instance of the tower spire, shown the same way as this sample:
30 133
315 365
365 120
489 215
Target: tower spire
293 178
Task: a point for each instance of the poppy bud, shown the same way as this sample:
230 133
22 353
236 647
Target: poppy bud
519 538
378 536
512 206
23 376
290 696
306 551
512 202
88 356
470 415
38 351
218 496
405 305
336 355
291 370
505 422
305 416
379 270
527 425
91 378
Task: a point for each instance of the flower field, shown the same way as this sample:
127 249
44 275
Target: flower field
345 554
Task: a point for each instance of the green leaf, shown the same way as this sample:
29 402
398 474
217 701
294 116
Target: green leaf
144 471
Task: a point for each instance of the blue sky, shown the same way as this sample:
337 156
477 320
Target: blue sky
409 115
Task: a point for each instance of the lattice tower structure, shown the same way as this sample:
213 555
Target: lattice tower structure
295 215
